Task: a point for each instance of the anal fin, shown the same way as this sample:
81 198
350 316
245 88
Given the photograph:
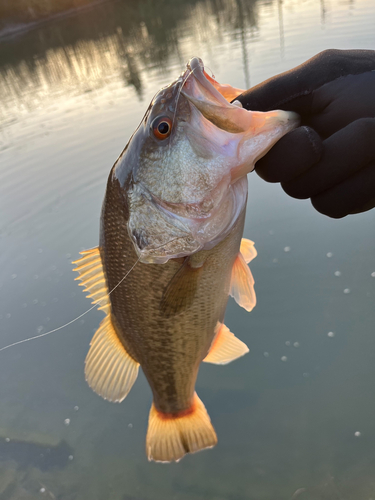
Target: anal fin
110 371
242 284
226 347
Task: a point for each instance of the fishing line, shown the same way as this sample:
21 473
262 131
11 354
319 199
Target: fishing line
177 98
179 93
75 319
212 74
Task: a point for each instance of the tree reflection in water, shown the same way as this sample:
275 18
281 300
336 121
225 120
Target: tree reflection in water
82 52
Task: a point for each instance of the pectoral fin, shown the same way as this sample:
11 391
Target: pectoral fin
248 250
242 284
181 290
226 347
110 371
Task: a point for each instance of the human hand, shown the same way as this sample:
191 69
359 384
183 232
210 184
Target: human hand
330 158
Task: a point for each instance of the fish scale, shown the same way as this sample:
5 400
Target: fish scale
179 343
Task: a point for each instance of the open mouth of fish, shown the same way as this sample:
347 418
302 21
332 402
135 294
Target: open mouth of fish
213 101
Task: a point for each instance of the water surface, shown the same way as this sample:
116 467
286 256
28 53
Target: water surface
72 92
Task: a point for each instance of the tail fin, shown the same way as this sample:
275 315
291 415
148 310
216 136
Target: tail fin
171 436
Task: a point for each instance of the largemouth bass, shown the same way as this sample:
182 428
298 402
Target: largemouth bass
173 214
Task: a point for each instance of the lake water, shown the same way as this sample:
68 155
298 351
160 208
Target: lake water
295 418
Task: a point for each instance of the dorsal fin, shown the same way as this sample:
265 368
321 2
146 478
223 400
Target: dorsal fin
225 347
248 250
92 277
110 371
242 284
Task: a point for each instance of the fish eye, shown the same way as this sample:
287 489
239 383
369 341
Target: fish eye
162 127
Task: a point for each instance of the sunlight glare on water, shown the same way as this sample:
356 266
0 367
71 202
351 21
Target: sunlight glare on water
295 416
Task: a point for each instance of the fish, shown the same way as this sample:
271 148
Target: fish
172 222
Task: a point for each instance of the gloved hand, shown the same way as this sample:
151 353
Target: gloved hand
330 158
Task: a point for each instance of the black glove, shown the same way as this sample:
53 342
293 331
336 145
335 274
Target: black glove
330 158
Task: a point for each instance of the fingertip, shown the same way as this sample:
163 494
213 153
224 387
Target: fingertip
291 156
325 207
353 195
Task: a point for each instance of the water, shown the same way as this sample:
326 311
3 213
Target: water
295 417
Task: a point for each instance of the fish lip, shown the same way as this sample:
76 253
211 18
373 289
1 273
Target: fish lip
195 72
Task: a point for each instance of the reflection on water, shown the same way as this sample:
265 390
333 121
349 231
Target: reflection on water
295 416
118 40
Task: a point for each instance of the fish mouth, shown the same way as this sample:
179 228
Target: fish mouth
213 100
258 131
207 96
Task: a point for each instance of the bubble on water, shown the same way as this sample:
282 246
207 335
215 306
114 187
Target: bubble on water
40 250
14 276
329 255
271 232
42 490
346 290
296 344
284 358
331 334
8 315
55 299
82 321
306 374
266 354
35 276
68 255
130 426
53 268
67 421
337 273
275 261
373 274
76 408
70 457
7 440
73 294
43 304
39 329
35 301
286 249
288 343
357 434
24 305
